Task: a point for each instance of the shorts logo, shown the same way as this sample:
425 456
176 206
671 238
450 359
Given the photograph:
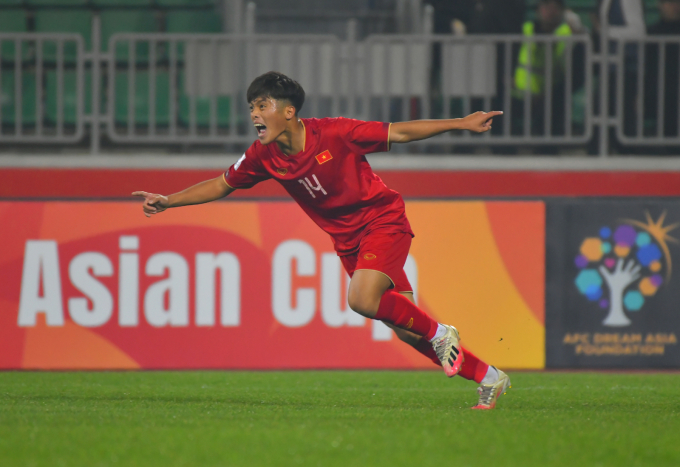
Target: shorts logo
282 171
324 157
369 256
409 324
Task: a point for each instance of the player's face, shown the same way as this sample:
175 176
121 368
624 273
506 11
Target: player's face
270 118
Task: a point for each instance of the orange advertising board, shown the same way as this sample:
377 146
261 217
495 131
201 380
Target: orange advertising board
254 285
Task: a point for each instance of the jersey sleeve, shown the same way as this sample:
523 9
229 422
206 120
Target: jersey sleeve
365 137
247 171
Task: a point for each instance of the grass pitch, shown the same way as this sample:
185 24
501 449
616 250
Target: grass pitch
335 419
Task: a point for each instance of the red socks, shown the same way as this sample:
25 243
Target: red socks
399 311
473 368
425 348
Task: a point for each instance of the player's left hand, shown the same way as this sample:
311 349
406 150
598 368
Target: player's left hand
479 122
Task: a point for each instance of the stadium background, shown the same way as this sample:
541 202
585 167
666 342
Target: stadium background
87 121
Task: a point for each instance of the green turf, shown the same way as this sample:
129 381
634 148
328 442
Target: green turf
335 419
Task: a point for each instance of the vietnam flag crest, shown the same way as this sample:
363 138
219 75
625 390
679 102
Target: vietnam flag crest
324 157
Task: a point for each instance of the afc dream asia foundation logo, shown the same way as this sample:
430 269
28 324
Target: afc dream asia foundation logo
633 261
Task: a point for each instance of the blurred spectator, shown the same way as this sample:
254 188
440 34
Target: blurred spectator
446 11
530 73
670 18
625 21
479 16
669 24
574 21
497 17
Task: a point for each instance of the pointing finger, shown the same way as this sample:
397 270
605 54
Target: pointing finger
143 194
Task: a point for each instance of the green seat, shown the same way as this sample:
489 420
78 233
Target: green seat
53 3
75 21
192 21
652 17
8 98
121 3
197 21
12 20
115 21
202 106
141 98
69 95
582 4
10 2
185 3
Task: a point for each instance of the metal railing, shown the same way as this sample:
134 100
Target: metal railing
648 96
35 69
190 89
443 76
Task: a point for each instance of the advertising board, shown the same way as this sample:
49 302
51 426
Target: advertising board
612 285
253 285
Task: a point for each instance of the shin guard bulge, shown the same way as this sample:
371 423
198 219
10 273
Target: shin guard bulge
398 310
473 368
425 348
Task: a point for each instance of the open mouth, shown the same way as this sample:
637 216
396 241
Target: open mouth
261 129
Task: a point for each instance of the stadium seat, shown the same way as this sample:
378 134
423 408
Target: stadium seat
11 2
185 3
141 98
193 21
652 17
53 3
69 96
202 106
122 3
12 20
115 21
75 21
8 98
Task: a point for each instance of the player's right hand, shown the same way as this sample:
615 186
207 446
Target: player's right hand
153 203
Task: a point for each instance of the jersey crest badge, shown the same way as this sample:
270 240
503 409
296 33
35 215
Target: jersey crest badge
282 171
324 157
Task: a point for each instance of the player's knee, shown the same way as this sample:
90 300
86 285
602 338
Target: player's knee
363 304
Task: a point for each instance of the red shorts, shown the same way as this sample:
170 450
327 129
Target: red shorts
385 253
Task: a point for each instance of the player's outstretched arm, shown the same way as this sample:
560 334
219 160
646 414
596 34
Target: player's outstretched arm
204 192
415 130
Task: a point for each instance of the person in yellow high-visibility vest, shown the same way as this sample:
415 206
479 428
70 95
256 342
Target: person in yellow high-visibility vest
531 71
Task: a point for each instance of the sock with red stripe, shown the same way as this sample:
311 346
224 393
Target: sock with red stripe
473 368
400 311
425 348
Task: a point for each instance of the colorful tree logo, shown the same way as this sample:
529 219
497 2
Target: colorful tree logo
630 260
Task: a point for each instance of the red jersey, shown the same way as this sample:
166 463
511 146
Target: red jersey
331 179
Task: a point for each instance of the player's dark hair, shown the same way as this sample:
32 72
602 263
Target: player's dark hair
559 2
277 86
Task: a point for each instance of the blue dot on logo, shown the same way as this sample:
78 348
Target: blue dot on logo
633 300
605 232
648 253
593 292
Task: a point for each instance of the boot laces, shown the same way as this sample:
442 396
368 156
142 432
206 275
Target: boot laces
486 394
441 345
